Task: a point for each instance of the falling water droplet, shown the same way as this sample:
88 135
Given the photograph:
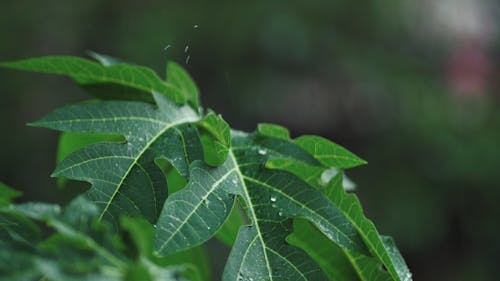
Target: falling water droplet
234 181
186 49
195 26
273 198
154 225
166 47
206 201
262 151
187 59
280 213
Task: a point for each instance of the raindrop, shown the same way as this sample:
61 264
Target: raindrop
154 225
187 59
327 175
206 201
273 198
262 151
208 227
195 26
186 49
166 47
280 213
234 181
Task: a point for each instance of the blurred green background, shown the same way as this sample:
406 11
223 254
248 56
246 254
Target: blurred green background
410 86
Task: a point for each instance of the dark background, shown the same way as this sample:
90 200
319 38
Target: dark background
410 86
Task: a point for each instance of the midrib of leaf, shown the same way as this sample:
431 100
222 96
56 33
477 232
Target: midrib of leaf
195 209
145 148
131 118
253 216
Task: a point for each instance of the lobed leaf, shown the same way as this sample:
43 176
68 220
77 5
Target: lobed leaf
109 77
351 207
271 198
124 176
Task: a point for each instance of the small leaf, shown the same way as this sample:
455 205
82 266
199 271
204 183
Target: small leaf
7 194
271 130
216 139
329 153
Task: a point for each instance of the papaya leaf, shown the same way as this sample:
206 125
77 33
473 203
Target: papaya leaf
124 176
272 198
116 77
349 204
281 203
82 248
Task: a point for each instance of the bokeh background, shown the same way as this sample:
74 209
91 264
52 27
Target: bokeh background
411 86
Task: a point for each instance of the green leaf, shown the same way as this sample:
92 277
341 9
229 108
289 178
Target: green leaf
82 248
340 264
195 213
177 76
271 197
272 130
115 77
351 207
124 176
328 153
7 194
216 139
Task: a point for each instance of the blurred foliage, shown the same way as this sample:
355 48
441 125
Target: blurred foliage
367 75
